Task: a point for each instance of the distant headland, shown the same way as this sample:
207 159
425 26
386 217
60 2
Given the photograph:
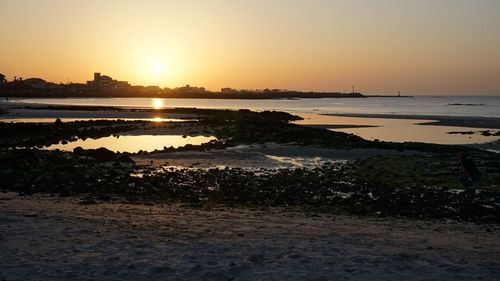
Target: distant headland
106 87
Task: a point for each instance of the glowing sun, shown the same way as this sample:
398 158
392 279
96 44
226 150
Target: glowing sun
157 68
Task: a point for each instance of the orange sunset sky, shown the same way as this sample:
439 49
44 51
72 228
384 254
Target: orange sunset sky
382 46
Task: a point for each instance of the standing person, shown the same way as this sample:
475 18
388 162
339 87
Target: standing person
470 173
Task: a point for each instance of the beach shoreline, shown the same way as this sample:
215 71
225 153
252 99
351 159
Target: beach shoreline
59 238
134 216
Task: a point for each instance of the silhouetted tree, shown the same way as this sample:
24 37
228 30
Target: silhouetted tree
2 79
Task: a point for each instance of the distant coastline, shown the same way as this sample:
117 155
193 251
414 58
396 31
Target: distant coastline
387 96
207 95
103 86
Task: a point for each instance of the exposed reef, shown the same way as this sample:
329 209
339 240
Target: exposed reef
420 185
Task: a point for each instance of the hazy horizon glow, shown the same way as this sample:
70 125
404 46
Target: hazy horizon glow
381 46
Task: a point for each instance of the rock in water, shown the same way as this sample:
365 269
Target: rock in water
124 159
102 154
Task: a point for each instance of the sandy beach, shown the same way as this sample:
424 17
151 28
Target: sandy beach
48 238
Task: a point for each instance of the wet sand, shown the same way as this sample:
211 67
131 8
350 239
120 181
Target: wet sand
47 238
268 156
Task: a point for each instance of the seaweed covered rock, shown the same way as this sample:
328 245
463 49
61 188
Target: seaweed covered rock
58 123
103 154
327 187
124 158
31 171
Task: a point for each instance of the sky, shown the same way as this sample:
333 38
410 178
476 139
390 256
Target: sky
428 47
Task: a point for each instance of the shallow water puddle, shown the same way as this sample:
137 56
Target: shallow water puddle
398 130
134 144
421 133
301 162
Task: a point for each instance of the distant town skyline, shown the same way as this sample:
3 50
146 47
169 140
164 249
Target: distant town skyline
103 85
446 47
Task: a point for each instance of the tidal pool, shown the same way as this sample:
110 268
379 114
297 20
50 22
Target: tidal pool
399 130
134 144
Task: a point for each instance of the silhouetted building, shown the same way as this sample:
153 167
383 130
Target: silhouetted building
190 90
104 82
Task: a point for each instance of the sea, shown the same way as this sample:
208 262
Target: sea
316 112
485 106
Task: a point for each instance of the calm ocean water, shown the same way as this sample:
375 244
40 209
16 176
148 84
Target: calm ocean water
488 106
397 130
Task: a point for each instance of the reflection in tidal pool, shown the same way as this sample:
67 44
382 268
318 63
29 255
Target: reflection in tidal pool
398 130
134 144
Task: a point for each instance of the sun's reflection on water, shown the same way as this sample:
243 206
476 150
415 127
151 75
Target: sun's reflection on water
157 103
